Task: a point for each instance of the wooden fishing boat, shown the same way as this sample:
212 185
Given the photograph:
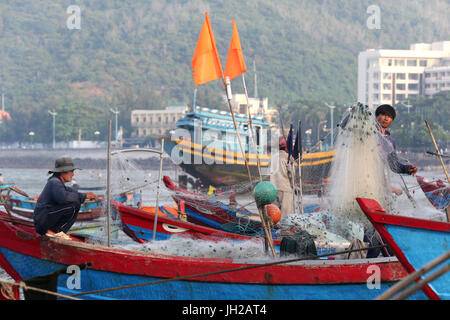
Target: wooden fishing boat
216 214
139 225
438 193
208 149
24 255
414 242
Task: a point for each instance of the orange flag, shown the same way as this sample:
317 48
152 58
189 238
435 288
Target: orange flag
235 60
206 62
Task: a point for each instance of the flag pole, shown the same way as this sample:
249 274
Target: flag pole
262 214
299 139
251 128
227 84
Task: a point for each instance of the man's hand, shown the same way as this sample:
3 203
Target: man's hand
412 170
397 191
91 195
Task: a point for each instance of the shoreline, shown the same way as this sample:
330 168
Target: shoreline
84 158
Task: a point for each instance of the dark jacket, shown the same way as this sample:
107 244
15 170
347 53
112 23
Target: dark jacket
56 195
395 163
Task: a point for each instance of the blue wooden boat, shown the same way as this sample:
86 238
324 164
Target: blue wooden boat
415 242
215 214
24 207
24 254
205 146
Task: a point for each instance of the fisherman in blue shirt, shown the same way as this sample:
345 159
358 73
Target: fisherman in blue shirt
58 205
385 114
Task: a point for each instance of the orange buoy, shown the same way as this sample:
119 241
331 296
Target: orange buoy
273 212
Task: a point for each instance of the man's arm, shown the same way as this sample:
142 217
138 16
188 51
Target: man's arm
399 166
61 195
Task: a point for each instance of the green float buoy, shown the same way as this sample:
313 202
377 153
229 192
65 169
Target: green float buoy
265 193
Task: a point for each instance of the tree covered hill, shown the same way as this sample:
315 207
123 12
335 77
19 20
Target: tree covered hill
132 54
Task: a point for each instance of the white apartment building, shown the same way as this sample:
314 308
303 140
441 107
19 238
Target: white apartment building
393 76
156 123
437 78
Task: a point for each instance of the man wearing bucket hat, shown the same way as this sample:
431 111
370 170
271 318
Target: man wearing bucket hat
58 205
385 114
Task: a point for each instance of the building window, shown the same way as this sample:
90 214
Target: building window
144 119
413 76
376 96
400 76
375 75
399 62
413 86
387 76
423 63
400 86
387 86
427 75
386 96
136 119
400 97
376 86
411 63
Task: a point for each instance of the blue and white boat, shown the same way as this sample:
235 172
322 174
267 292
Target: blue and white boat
206 146
415 242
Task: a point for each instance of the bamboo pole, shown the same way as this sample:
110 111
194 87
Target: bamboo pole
413 277
161 155
437 150
299 133
108 186
261 211
227 85
419 285
250 122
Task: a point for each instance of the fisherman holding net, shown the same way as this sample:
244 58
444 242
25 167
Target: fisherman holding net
281 179
384 115
58 205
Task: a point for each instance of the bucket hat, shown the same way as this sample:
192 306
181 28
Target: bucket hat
63 165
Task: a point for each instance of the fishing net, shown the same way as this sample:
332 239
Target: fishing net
359 170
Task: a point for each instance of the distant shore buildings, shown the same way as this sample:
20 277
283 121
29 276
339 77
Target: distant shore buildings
158 122
393 76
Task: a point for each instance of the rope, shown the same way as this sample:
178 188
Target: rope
23 286
7 291
225 271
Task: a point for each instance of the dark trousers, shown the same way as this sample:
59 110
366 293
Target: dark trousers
57 219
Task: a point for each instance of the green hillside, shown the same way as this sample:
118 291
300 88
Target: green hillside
136 54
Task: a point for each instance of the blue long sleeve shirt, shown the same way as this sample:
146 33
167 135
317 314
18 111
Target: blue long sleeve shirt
55 194
396 164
